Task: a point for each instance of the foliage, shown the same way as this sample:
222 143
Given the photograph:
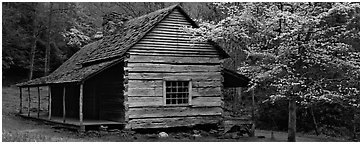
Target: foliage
307 51
15 34
76 37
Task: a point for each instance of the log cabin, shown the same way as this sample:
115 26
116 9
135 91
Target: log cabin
144 72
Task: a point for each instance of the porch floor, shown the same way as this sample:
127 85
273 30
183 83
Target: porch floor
70 121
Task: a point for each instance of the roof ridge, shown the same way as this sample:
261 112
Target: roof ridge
157 11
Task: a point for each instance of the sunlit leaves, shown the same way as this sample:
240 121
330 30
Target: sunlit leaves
75 37
314 43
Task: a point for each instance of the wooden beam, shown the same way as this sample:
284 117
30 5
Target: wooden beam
196 76
21 101
172 122
158 91
169 112
172 25
143 84
166 33
174 43
180 49
164 92
190 92
38 101
64 112
174 55
159 101
168 45
50 102
82 127
173 51
173 60
29 100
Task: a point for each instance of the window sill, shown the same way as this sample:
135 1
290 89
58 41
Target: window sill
183 105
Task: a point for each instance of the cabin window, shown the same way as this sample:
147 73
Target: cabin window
177 92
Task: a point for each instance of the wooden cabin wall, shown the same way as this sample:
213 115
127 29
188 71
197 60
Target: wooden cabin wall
167 52
103 97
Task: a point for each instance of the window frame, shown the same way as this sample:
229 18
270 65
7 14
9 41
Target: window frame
177 80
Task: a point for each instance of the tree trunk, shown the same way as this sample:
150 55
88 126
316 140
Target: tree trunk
33 48
32 52
292 120
314 121
47 50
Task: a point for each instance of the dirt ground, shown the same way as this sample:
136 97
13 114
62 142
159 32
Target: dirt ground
16 128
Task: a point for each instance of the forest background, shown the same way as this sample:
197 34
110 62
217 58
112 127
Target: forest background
306 53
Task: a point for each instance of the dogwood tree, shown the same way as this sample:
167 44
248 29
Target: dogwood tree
308 51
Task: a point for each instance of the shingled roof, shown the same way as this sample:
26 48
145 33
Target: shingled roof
108 51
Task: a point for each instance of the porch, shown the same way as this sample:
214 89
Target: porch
73 123
65 105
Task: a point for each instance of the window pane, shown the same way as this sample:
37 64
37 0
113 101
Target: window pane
179 101
184 100
177 92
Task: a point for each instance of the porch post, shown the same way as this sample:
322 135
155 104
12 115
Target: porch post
82 128
21 101
29 101
64 104
50 102
38 101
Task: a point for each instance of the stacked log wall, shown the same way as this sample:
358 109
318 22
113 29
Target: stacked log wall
167 53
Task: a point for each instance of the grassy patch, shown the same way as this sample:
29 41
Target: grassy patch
17 136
